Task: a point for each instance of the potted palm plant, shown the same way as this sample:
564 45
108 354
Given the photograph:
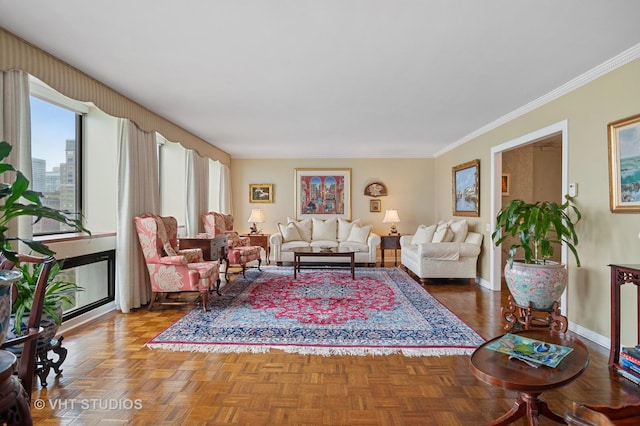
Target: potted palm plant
16 199
538 228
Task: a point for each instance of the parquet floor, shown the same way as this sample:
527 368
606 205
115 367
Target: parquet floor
110 377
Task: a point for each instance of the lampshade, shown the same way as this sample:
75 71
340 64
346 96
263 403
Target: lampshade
391 216
257 216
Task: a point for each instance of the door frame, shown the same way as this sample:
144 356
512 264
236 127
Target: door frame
495 255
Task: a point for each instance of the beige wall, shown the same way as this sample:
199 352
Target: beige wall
604 237
409 184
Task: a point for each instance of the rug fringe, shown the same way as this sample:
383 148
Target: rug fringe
311 350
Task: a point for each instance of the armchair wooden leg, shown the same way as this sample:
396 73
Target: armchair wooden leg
259 263
153 299
204 295
218 286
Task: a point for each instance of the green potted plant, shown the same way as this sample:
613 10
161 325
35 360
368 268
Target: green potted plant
16 199
59 293
539 228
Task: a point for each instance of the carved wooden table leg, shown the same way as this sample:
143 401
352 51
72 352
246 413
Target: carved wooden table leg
44 364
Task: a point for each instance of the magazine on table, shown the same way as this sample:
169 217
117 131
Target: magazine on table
529 350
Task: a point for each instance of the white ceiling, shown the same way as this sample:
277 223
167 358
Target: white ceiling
330 78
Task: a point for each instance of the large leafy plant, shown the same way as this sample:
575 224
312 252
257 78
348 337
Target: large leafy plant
538 228
58 293
16 199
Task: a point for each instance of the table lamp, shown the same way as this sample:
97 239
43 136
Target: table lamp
257 216
391 216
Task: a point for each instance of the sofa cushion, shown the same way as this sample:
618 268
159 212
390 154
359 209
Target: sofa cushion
424 234
359 234
355 246
443 234
291 245
323 243
324 229
344 228
289 232
304 228
459 229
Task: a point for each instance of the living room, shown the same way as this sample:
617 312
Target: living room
421 188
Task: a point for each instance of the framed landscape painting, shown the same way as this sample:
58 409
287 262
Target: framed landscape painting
624 165
261 193
466 189
322 192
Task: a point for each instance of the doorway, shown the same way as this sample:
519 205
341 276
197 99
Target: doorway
554 138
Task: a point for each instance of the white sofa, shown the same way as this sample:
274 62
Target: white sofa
444 250
316 232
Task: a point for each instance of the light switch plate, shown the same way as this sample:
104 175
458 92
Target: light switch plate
573 190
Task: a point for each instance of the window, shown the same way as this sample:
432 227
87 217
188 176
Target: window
56 154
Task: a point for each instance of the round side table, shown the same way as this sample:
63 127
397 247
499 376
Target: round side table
14 401
497 369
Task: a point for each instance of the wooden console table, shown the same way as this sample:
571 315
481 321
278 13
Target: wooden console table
621 275
213 248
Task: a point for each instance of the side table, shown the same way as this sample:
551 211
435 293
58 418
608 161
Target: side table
261 240
389 242
498 369
621 275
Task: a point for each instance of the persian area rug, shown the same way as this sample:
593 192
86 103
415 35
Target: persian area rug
325 312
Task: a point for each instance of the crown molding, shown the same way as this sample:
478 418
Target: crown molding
617 61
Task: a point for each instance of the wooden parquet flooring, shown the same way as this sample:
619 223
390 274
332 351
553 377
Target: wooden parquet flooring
110 377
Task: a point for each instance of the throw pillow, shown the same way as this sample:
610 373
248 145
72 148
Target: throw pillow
323 229
459 229
344 228
304 228
443 234
289 232
359 234
424 234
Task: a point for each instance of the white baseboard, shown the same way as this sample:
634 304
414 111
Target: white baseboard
590 335
86 317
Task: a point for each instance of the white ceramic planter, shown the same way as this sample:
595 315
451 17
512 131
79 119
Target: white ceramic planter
542 285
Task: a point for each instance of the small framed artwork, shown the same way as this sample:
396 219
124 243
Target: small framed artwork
261 193
375 206
624 165
322 192
505 184
466 189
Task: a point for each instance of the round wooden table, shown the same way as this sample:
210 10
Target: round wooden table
497 369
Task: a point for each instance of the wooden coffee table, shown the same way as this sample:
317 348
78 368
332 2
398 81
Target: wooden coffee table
319 252
497 369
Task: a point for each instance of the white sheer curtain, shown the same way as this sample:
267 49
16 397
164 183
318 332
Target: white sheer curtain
138 193
197 191
224 194
15 128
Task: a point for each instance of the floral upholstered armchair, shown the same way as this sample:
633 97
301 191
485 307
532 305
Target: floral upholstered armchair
240 251
222 224
171 270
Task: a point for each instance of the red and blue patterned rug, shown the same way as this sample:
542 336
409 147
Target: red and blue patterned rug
324 311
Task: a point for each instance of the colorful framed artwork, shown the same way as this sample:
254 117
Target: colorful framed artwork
375 206
466 189
322 192
505 184
261 193
624 165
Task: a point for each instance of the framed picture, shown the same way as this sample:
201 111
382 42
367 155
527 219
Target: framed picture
322 192
466 189
375 206
505 184
261 193
624 165
375 189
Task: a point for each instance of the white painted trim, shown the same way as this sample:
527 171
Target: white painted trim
86 317
599 339
623 58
